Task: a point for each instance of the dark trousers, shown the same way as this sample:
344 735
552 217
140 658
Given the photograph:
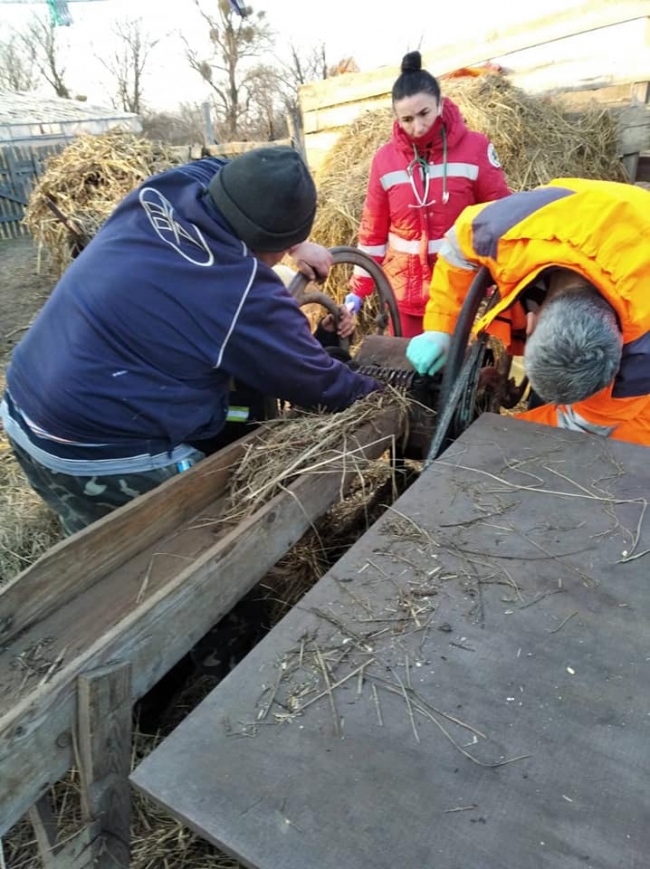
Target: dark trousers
78 501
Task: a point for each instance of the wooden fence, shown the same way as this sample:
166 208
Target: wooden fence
20 166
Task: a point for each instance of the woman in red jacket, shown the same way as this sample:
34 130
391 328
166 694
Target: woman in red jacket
420 181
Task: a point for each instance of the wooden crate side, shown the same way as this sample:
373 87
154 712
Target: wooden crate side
550 28
36 744
74 565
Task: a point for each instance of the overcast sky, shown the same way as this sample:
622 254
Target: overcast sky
374 32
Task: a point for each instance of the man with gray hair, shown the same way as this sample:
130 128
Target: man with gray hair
574 344
571 263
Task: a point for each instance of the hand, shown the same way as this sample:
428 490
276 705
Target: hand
313 260
353 303
427 353
347 323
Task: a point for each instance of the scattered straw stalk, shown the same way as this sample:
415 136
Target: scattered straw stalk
307 443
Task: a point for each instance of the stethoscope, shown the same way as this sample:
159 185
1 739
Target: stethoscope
422 201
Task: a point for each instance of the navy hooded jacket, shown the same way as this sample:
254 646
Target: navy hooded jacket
139 341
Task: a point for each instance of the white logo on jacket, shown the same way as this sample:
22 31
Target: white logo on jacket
492 156
185 238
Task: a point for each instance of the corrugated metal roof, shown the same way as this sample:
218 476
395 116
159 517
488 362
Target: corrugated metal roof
21 109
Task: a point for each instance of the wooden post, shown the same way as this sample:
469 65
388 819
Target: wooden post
104 742
76 853
207 123
631 164
45 830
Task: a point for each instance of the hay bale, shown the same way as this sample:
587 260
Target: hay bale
85 182
536 139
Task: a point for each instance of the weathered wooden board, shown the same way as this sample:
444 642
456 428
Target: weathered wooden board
149 610
500 593
597 52
73 566
551 28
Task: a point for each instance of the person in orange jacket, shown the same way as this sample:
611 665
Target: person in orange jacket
571 262
420 181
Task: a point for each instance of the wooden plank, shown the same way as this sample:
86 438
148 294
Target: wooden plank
74 565
610 96
641 91
35 733
44 824
340 116
104 738
631 164
633 120
75 853
549 28
634 128
582 65
317 147
484 599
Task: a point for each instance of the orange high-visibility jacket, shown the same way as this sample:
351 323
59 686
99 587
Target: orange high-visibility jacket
599 229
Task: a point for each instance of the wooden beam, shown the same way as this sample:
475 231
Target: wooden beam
75 853
334 117
104 740
76 564
549 28
36 732
641 92
634 128
45 829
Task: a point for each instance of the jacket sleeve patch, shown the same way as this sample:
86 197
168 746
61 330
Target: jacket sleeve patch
492 156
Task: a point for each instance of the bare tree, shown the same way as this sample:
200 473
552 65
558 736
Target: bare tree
16 66
303 67
185 126
42 46
127 63
235 42
266 107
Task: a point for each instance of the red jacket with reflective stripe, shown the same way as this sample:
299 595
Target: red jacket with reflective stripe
401 227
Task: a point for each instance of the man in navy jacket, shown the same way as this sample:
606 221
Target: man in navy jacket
128 366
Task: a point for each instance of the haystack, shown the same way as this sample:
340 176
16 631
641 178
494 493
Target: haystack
84 183
535 137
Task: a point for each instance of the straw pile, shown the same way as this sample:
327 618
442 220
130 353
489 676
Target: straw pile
536 140
306 443
86 181
27 527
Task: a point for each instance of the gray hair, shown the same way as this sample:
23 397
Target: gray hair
575 350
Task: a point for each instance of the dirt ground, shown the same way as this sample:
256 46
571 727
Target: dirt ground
23 290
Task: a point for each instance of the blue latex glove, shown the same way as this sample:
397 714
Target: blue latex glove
427 353
353 303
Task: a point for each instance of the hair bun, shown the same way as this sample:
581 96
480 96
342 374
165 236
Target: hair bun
412 62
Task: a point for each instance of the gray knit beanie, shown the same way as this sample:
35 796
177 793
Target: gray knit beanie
268 197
